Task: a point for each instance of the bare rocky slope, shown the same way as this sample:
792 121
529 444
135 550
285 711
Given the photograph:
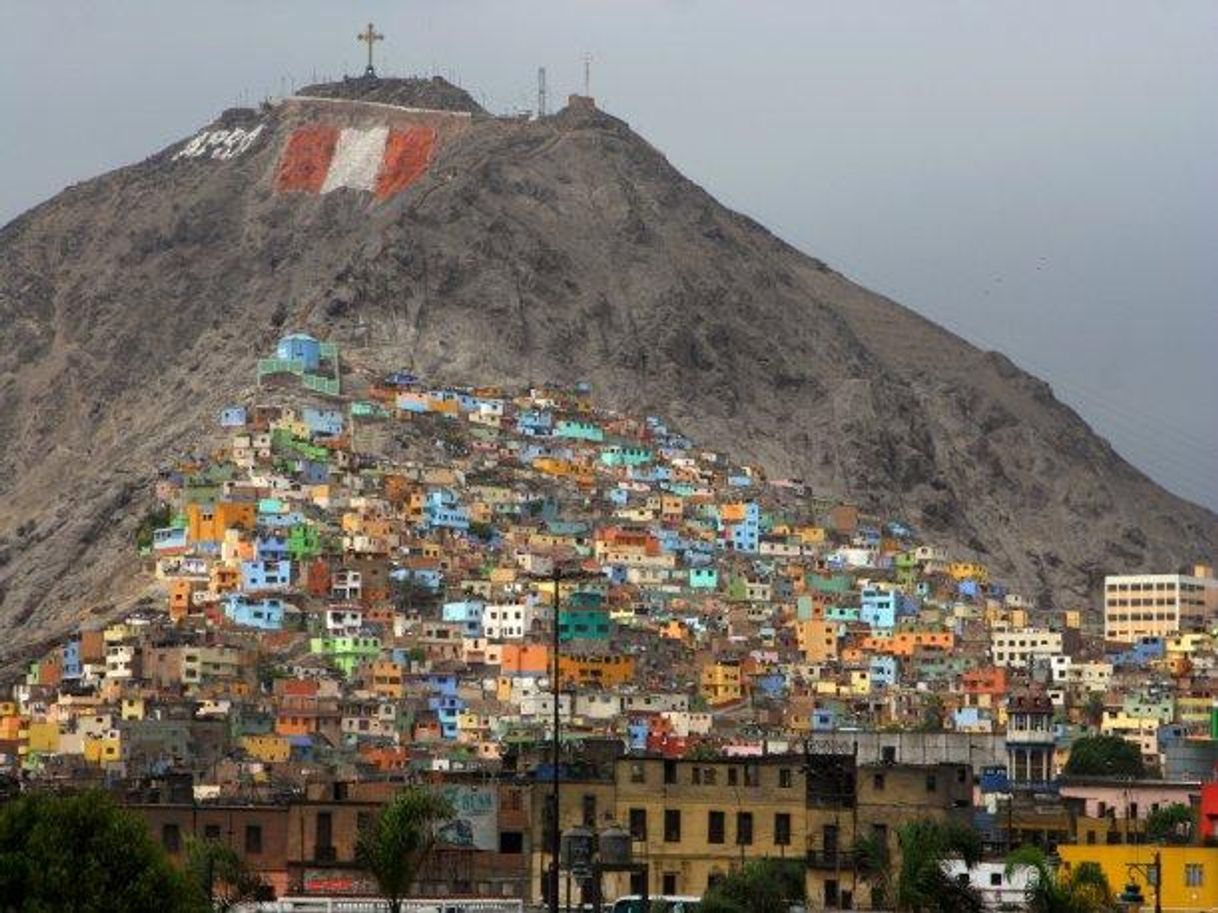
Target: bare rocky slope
133 305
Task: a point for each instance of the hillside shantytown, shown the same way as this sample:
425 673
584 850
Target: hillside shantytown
366 582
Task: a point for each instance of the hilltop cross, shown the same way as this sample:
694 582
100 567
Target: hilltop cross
369 36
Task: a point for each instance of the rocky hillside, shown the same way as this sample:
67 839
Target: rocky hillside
480 249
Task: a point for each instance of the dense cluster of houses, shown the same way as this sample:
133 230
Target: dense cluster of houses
354 587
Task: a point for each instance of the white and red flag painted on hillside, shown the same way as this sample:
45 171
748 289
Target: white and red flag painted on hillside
381 160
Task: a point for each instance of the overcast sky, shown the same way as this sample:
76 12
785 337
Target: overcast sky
1040 177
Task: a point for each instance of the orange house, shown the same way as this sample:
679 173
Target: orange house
179 599
524 659
208 522
606 670
905 643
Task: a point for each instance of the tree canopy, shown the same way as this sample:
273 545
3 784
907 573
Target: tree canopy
1083 889
1171 824
83 853
1105 756
221 876
759 886
394 846
923 885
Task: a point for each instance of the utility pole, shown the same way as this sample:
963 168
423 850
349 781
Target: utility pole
588 75
541 91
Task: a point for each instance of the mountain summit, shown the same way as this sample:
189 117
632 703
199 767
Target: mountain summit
399 219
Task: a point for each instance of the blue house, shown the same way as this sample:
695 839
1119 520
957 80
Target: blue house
325 422
467 614
232 417
300 347
534 422
264 614
443 510
271 548
71 660
879 607
170 537
580 431
823 720
266 575
636 735
703 578
885 671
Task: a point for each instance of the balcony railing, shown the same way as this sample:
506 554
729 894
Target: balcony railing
830 859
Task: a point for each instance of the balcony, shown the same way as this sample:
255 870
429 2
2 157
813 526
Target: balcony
325 854
838 860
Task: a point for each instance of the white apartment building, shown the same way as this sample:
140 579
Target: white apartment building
1015 648
1159 605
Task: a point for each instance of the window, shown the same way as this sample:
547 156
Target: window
171 838
716 825
669 883
696 776
1194 874
888 754
670 771
638 823
672 826
511 842
877 782
323 836
785 777
211 832
995 879
710 776
830 893
752 775
253 838
637 773
733 776
782 829
932 783
744 828
589 810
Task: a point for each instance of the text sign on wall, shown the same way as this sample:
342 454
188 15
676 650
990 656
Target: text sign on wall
219 144
477 822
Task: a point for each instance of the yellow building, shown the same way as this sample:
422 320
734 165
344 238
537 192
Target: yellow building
1189 873
817 639
721 683
103 749
44 737
270 749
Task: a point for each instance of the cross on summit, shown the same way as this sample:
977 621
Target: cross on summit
369 36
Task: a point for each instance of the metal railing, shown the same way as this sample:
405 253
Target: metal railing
375 905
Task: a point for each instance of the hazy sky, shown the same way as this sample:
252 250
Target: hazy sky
1040 177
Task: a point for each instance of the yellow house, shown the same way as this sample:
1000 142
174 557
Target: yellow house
968 570
270 749
810 535
816 639
132 708
1189 873
44 737
721 683
104 749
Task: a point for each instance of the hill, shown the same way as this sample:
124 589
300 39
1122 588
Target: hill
481 249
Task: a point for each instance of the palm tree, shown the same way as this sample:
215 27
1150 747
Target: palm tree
923 885
873 863
395 844
1083 889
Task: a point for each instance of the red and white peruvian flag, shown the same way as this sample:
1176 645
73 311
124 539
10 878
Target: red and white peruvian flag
383 160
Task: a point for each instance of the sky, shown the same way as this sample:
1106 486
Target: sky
1039 177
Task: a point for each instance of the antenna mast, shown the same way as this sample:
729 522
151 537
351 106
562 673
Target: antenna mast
588 75
541 91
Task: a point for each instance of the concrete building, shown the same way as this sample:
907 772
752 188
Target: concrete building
1158 605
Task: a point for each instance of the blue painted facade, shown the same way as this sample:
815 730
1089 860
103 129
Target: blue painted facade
300 347
264 614
443 511
266 575
467 614
232 417
326 422
885 671
171 537
878 608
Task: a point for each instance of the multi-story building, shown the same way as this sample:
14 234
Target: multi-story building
1159 605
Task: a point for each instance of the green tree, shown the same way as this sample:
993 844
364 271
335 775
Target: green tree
83 853
156 518
1084 889
1171 824
222 878
759 886
1105 756
922 884
873 864
394 846
1093 709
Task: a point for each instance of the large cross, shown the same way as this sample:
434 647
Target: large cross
369 36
